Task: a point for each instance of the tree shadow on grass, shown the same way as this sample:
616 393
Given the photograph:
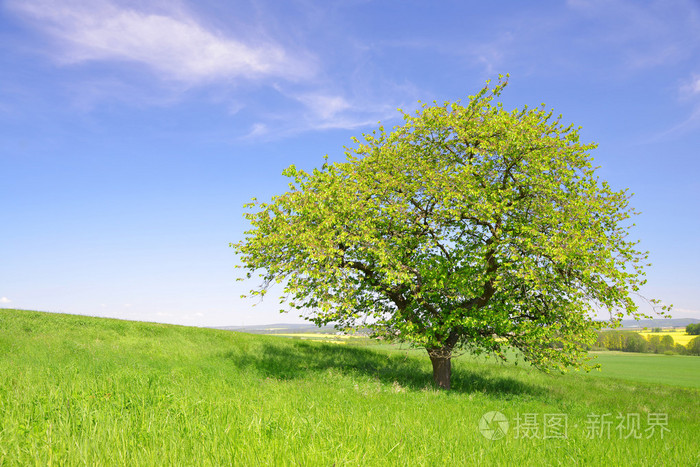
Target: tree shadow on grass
297 359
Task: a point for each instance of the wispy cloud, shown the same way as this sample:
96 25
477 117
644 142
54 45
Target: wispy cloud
333 111
256 131
324 105
688 93
617 36
5 300
690 88
174 45
322 110
287 85
646 34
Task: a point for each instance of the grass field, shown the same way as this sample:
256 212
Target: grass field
79 390
675 370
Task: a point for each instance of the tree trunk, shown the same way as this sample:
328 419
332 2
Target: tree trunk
442 367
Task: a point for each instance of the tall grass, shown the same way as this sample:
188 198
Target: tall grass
79 390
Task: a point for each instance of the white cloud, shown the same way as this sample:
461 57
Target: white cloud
359 105
691 87
180 46
324 106
326 111
258 129
695 87
5 300
174 45
347 117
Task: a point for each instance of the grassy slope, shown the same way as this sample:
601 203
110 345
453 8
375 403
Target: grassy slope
86 390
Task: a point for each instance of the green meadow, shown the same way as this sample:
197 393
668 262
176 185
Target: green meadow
78 390
674 370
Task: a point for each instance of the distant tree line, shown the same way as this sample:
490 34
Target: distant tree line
631 341
693 329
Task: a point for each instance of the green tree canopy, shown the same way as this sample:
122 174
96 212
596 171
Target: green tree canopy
694 346
468 227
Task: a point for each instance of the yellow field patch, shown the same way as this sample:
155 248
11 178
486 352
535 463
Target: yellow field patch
679 336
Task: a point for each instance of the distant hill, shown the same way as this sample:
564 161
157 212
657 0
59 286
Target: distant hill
660 323
281 328
287 328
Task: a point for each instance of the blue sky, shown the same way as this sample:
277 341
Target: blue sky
131 132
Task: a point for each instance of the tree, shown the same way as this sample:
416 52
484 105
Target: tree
612 340
680 349
636 343
667 342
469 227
693 347
655 344
693 329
